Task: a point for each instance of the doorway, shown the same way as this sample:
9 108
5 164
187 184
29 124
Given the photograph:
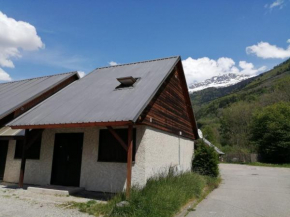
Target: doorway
3 155
67 159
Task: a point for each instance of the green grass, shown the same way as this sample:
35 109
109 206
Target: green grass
162 196
269 165
261 164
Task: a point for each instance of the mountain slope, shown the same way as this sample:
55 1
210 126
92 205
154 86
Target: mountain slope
263 83
209 94
225 114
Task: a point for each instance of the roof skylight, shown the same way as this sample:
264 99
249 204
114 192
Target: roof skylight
127 81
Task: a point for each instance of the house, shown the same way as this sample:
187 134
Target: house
116 127
18 97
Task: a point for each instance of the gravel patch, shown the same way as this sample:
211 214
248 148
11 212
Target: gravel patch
22 203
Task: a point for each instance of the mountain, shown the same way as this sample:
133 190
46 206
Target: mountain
224 114
218 81
211 93
260 85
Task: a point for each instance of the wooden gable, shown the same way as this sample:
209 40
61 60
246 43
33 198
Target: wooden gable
170 109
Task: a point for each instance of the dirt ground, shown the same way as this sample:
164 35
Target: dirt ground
23 203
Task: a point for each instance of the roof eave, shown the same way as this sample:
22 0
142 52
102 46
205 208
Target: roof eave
73 125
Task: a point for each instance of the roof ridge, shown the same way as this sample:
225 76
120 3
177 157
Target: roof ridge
133 63
46 76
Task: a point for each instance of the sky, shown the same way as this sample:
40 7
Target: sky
39 38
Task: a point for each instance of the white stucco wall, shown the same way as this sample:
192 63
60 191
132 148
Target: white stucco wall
36 171
156 152
110 177
12 167
165 150
95 176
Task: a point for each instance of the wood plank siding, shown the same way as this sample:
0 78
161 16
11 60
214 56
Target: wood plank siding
170 110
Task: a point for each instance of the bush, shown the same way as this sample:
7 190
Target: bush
205 161
271 133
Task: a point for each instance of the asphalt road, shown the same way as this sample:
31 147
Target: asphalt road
248 191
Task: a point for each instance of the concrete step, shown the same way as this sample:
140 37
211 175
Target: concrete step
55 190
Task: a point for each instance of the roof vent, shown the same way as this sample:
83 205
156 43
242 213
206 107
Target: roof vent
127 81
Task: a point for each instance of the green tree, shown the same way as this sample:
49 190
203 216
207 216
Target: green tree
211 133
270 131
205 161
235 122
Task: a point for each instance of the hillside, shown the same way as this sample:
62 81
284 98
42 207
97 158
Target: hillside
225 114
209 94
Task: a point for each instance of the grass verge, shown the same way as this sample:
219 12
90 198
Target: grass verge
268 165
162 196
261 164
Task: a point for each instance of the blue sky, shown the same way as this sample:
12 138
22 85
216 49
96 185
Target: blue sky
211 36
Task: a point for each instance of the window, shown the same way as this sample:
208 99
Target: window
33 152
110 150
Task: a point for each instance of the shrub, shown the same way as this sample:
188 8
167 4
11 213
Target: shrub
205 161
271 133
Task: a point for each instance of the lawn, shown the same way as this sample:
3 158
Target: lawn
162 196
260 164
268 165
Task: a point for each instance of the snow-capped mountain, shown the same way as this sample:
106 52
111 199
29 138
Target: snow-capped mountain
218 81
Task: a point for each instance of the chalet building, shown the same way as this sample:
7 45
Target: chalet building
15 99
116 127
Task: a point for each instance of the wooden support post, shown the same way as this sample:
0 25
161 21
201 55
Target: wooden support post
23 160
119 139
129 160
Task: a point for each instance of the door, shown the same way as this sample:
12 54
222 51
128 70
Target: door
3 155
67 159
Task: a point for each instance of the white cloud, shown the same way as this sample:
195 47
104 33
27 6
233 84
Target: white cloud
278 3
4 76
267 51
112 63
81 74
288 41
249 68
197 70
15 36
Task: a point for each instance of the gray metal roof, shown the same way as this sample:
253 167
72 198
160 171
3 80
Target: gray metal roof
94 98
15 94
213 146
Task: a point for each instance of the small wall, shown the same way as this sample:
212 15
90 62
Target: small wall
240 158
